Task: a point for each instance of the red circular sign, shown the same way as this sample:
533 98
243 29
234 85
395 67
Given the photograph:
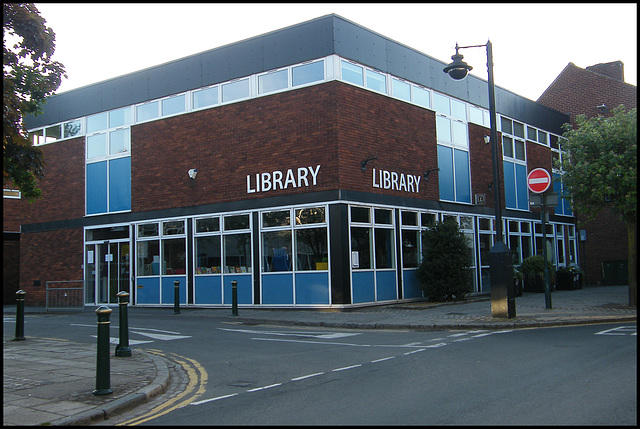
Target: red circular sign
538 180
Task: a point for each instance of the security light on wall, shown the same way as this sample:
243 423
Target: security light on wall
426 174
487 139
192 173
363 164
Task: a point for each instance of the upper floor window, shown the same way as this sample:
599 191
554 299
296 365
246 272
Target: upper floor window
352 73
205 97
307 73
174 105
273 81
235 90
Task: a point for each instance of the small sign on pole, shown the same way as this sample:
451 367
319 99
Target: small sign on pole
538 180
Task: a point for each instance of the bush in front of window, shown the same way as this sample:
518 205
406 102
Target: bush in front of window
443 271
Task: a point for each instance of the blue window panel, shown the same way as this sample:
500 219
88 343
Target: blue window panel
120 184
208 290
97 187
386 285
445 175
522 189
363 287
312 288
169 289
463 184
557 188
564 204
148 290
277 288
411 284
244 289
509 185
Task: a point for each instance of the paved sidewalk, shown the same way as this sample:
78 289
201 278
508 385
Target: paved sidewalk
47 381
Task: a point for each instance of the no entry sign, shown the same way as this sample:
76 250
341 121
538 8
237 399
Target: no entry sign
538 180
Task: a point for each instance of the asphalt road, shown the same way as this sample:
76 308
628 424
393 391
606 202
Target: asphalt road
274 375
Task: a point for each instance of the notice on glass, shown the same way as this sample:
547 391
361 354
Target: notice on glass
355 260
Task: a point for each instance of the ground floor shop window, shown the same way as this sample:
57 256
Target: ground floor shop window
291 248
373 255
222 254
294 256
161 255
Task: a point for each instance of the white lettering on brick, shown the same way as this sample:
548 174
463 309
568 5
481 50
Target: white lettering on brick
292 178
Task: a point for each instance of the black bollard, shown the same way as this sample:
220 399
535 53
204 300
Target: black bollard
19 315
234 298
123 349
176 297
103 381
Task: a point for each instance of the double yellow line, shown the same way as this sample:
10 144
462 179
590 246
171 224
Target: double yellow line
195 388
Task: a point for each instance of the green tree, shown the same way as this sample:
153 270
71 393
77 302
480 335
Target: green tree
444 270
601 171
29 76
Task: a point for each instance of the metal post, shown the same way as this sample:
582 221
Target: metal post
19 315
123 349
503 302
176 297
547 288
234 298
103 382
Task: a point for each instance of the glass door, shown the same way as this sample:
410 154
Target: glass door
108 271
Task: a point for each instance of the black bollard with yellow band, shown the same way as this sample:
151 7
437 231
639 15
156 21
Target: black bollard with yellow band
103 376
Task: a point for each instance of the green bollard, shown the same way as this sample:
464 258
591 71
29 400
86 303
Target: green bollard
103 382
19 315
123 349
176 297
234 298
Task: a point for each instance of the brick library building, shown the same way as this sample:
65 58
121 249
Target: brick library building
301 164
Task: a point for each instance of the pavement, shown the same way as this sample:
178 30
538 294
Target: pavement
50 381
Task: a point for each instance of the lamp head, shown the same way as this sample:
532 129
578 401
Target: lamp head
458 69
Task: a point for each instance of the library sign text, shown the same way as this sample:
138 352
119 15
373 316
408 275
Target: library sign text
292 178
396 181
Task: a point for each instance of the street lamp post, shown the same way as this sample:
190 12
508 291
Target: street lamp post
501 264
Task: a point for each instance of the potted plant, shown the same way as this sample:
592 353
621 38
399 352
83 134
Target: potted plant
532 268
569 278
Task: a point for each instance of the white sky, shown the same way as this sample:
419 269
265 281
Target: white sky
532 43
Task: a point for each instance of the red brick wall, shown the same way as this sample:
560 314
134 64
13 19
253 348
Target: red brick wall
49 256
54 255
577 91
482 165
11 210
63 185
225 144
400 135
293 129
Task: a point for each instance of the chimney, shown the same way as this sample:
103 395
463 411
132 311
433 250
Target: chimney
614 70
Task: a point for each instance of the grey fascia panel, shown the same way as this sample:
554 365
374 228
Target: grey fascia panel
291 45
320 37
173 78
365 47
